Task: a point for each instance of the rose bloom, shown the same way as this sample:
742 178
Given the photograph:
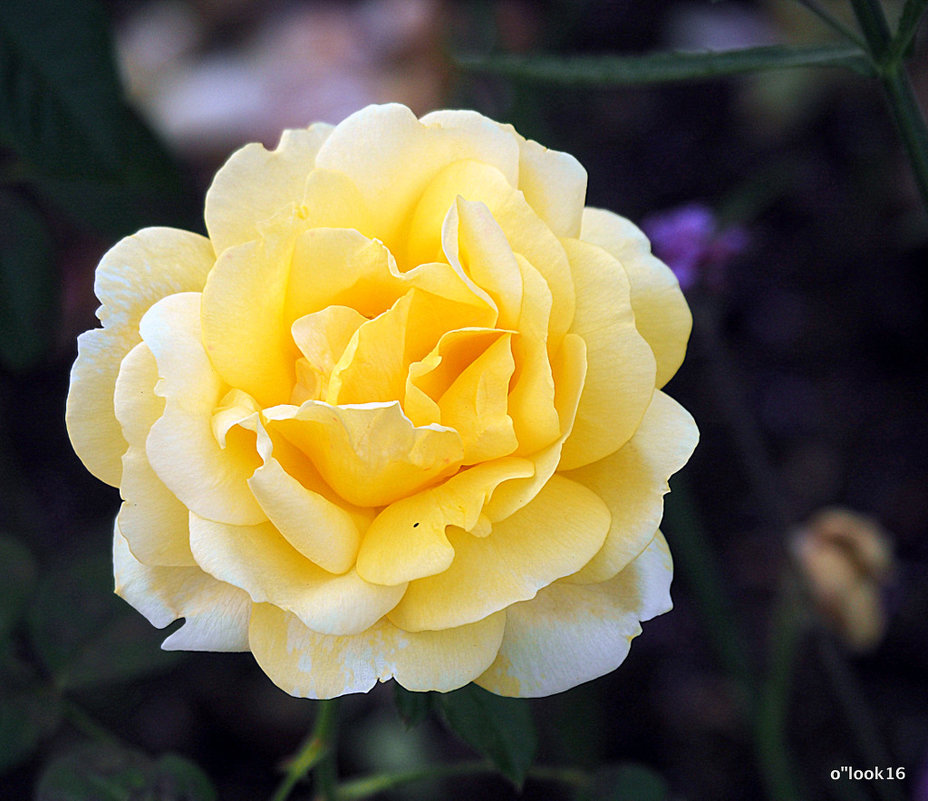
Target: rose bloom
399 416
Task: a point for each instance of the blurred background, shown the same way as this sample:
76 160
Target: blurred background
799 639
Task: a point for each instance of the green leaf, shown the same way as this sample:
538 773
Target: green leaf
911 16
614 70
85 635
626 782
108 772
17 584
27 715
28 286
62 114
499 728
412 707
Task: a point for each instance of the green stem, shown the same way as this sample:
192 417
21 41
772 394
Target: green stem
906 113
317 750
773 704
851 699
367 786
911 123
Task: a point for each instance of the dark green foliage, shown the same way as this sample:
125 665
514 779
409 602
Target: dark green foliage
107 772
501 729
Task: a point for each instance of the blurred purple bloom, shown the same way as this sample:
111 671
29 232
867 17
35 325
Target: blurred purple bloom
689 241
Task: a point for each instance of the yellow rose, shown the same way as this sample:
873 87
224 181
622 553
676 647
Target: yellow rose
398 416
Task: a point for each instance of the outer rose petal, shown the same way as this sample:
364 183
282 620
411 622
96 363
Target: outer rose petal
134 274
661 313
551 537
151 518
310 665
260 561
633 482
391 156
570 634
217 614
181 445
254 184
620 372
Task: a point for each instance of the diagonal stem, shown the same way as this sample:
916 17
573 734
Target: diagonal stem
316 752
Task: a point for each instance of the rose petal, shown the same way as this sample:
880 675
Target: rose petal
407 539
370 454
243 328
321 530
181 446
620 365
570 634
138 271
310 665
217 614
633 482
391 156
255 183
551 537
151 518
260 561
661 313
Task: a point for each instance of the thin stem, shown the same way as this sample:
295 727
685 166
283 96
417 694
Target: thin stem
906 113
773 705
367 786
85 724
911 124
316 749
833 22
851 699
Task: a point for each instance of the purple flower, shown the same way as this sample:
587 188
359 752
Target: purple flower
689 241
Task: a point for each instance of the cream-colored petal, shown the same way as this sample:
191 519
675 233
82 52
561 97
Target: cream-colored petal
319 529
182 449
661 312
134 274
310 665
370 454
256 183
390 156
260 561
407 540
554 184
216 614
151 518
551 537
243 328
633 482
570 634
620 365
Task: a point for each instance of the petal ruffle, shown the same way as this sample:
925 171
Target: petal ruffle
255 183
262 563
551 537
570 634
216 614
310 665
